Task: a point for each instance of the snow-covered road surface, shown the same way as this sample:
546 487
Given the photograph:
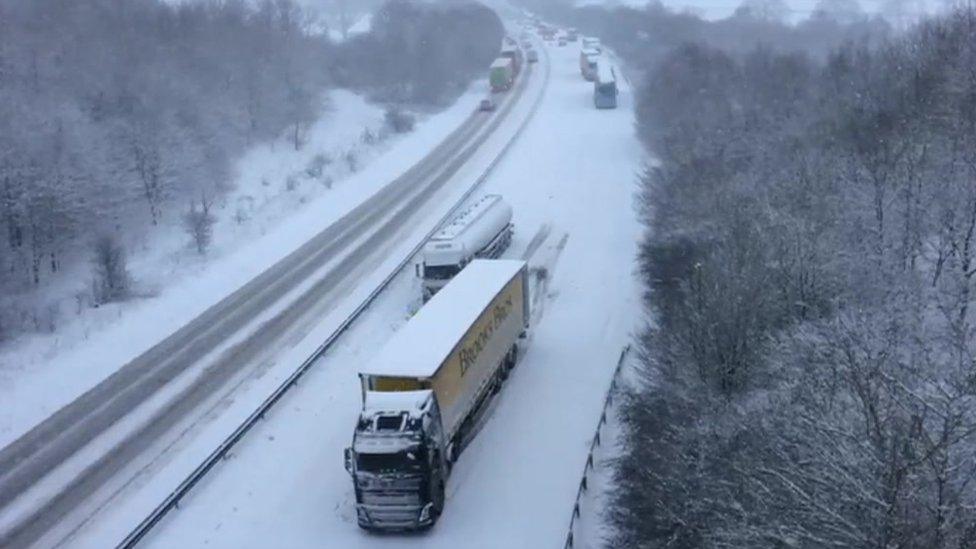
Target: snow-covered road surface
55 469
573 169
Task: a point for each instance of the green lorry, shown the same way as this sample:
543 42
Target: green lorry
502 74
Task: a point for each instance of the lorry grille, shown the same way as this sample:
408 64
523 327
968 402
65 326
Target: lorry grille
391 498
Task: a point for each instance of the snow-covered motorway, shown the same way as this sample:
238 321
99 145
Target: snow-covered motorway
573 169
89 456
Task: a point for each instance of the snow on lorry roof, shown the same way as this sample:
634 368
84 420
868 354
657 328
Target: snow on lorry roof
466 218
418 349
605 74
501 62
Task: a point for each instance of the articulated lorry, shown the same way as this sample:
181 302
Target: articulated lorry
425 392
501 75
483 230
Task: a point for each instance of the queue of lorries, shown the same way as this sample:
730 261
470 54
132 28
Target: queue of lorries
428 388
592 67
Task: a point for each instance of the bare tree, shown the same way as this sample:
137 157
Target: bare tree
111 281
198 223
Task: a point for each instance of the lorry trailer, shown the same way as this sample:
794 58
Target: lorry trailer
591 43
511 51
589 60
423 394
483 230
605 87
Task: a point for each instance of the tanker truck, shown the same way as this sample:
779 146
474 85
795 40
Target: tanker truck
427 389
483 230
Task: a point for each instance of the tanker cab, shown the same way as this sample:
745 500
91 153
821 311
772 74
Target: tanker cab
442 261
397 461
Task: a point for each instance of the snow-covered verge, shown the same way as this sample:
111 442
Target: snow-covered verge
573 169
281 198
591 527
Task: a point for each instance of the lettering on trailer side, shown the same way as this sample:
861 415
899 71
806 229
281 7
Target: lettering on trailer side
469 353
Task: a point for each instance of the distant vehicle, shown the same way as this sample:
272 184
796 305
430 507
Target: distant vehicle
562 42
588 63
532 56
487 104
427 388
515 54
483 230
572 35
501 74
605 87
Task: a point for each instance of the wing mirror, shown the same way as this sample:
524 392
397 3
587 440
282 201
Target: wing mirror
347 455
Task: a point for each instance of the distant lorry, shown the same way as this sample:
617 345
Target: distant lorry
501 75
483 230
426 390
511 51
532 56
591 43
589 60
605 87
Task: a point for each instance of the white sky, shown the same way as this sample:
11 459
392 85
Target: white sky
717 9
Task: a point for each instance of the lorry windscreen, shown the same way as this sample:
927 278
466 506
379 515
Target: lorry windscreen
441 272
398 462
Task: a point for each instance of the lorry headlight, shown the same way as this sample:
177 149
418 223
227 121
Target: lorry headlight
362 514
425 513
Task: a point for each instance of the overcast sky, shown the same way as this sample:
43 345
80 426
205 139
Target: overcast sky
717 9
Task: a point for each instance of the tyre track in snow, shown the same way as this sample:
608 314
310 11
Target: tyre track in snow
40 451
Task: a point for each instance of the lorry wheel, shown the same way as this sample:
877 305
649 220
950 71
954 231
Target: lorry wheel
511 358
454 450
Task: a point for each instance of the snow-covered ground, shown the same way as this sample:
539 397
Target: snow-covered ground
574 170
120 504
278 203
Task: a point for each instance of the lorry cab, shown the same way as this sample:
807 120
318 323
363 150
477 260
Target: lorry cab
397 460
